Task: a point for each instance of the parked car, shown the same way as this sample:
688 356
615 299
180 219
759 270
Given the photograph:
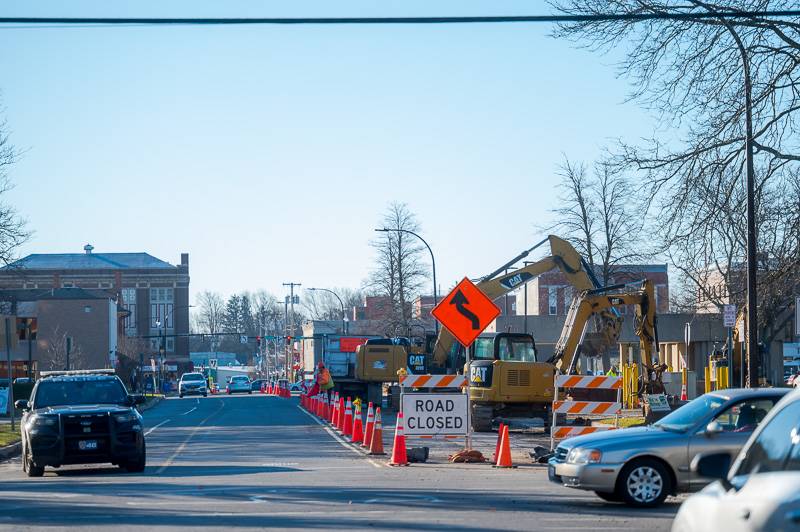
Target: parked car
239 384
255 385
760 491
193 384
641 466
81 417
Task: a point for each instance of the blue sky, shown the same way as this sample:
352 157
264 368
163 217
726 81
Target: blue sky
270 153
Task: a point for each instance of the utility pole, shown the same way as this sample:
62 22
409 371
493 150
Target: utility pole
10 374
291 326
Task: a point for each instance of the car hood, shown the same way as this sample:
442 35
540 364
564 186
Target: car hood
82 409
622 437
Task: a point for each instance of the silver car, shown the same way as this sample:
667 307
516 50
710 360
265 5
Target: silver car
641 466
192 384
239 384
762 489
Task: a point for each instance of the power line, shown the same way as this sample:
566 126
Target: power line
610 17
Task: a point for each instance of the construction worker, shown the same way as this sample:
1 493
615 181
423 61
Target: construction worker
612 372
323 380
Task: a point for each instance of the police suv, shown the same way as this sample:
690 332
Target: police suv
81 417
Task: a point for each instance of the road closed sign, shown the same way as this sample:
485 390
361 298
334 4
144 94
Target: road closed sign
434 414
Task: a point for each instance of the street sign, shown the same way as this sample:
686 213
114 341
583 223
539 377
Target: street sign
729 315
212 363
153 364
658 402
242 338
466 312
434 414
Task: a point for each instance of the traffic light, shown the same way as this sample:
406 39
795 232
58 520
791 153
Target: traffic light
288 340
258 341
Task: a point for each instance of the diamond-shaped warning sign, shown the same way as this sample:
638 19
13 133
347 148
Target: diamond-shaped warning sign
466 312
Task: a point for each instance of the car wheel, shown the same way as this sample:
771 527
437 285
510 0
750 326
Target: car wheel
205 395
609 497
28 465
250 392
180 395
644 483
138 465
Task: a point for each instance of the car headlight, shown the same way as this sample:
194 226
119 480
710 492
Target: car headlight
580 456
127 417
44 421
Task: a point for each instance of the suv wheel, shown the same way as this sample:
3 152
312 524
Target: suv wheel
28 465
644 483
138 464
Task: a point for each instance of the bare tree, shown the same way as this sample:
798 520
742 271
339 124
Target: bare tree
322 305
56 353
129 349
598 214
13 229
400 270
690 74
210 313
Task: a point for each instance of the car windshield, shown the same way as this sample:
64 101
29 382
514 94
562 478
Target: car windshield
192 377
240 379
79 391
690 414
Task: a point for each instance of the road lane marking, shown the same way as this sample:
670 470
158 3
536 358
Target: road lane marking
189 411
154 428
183 445
344 443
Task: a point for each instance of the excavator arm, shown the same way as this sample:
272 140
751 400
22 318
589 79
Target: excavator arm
563 257
596 301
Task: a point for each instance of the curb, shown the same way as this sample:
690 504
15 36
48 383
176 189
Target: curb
10 451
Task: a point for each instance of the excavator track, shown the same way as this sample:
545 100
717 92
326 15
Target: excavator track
482 416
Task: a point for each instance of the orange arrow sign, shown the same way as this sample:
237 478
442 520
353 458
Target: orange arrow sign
466 312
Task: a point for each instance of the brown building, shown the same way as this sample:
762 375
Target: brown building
44 320
551 295
154 293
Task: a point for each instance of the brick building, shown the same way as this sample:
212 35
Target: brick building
154 293
551 295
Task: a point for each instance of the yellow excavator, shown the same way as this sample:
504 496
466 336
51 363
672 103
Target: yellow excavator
507 379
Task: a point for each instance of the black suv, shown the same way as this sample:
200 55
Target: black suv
81 417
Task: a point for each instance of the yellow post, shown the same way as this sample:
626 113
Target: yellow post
707 375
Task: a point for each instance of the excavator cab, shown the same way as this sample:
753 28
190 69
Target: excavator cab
505 375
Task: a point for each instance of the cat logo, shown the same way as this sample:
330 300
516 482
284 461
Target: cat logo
477 374
416 360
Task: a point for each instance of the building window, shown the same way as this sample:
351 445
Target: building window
552 299
567 298
129 302
161 307
66 284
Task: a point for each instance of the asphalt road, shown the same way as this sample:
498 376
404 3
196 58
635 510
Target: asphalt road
261 462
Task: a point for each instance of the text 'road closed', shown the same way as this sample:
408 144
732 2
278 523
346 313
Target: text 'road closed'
434 414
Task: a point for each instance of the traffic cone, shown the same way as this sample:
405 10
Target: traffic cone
504 456
497 445
347 426
358 428
368 429
263 388
376 442
340 417
399 457
332 409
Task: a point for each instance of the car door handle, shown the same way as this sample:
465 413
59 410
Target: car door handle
793 516
744 513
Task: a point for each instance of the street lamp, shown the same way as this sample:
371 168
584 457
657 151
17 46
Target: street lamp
433 264
344 315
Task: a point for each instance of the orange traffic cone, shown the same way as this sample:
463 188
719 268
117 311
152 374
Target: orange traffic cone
684 392
347 426
399 457
497 445
263 388
340 417
376 442
368 429
358 428
504 456
332 411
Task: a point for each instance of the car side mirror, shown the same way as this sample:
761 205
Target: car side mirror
713 428
21 404
713 465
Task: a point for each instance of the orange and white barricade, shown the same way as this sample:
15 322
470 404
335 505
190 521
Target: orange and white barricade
583 408
433 381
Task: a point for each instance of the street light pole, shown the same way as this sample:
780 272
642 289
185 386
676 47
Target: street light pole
344 315
752 296
433 265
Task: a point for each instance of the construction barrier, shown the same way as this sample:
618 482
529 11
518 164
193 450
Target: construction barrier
630 386
716 378
433 381
563 407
